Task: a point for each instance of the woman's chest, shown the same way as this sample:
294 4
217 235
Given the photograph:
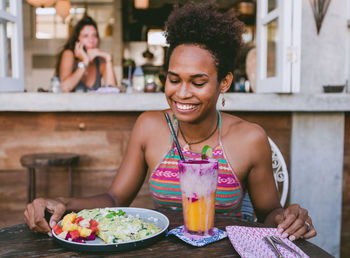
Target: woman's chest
89 76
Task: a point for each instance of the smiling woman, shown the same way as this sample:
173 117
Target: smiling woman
203 45
81 64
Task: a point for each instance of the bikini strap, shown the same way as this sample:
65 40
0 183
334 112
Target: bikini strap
219 126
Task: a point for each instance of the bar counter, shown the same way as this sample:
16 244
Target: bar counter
50 102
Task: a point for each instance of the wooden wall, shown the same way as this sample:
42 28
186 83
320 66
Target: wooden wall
99 138
100 144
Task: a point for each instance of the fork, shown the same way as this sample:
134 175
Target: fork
272 244
278 240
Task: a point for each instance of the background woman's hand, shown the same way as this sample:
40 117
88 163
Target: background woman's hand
295 223
80 53
34 215
93 53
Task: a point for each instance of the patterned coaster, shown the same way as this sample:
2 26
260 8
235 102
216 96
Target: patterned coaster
196 240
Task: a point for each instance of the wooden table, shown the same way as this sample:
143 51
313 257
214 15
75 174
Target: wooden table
19 241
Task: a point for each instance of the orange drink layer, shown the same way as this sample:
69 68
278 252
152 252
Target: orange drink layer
198 181
199 214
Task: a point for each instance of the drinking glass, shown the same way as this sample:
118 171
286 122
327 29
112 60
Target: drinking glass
198 181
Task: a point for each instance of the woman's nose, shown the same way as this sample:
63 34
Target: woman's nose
92 39
184 91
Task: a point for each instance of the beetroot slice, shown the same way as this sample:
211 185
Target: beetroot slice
79 240
91 237
68 236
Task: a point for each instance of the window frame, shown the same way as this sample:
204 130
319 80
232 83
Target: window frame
16 81
288 14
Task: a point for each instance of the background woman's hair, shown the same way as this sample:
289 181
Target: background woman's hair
73 38
204 25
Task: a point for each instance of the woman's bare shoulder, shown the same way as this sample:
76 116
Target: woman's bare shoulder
68 54
237 128
152 117
152 121
152 130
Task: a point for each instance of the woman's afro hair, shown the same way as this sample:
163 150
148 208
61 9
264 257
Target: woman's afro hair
204 25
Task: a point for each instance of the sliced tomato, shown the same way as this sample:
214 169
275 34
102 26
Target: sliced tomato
57 229
77 220
93 223
94 229
74 234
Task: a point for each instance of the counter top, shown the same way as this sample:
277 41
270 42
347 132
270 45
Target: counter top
85 102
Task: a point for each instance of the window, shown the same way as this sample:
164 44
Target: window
11 46
156 37
49 25
278 45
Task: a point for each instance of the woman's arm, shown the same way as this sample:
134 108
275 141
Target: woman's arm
293 221
108 72
69 78
123 190
106 65
260 183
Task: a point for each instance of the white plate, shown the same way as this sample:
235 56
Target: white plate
98 245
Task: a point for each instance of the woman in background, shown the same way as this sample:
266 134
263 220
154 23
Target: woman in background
81 64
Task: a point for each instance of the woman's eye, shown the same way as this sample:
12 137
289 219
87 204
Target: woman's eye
174 81
198 83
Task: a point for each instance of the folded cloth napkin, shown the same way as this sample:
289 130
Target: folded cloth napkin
107 90
249 242
196 240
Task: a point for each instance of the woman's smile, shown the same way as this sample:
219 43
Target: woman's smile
181 107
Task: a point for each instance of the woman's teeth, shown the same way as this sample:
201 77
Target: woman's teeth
185 107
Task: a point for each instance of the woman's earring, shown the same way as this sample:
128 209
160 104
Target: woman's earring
223 100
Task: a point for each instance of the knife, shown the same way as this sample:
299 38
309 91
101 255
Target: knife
271 244
277 240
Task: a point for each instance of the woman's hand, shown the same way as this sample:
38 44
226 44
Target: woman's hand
295 223
80 53
93 53
34 215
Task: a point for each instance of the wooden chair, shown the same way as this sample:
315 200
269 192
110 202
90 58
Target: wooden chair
280 173
47 160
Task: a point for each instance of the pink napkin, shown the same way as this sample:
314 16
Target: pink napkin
107 90
249 242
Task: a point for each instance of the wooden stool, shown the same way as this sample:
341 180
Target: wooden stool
46 160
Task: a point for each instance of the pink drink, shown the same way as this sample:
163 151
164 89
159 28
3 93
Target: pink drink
198 181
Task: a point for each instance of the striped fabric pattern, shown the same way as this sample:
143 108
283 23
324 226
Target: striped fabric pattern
165 186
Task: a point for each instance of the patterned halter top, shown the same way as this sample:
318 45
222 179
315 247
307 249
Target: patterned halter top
165 186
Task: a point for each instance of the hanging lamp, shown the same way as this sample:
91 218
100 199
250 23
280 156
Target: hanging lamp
319 8
141 4
63 8
41 3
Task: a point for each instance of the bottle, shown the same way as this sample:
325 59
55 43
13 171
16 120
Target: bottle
150 85
138 81
56 86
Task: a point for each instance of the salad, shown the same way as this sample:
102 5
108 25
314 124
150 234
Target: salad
110 225
76 228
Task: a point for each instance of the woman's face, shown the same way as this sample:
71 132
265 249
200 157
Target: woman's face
191 86
88 37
